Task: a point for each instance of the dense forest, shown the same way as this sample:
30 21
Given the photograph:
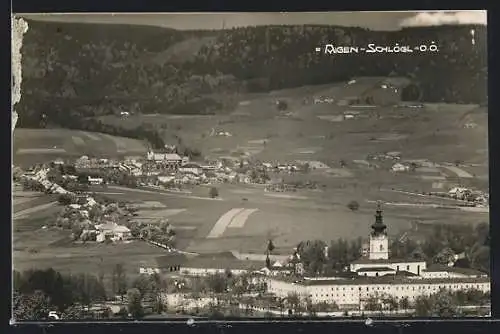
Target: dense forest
75 70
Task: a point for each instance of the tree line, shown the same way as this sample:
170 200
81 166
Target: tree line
443 241
128 69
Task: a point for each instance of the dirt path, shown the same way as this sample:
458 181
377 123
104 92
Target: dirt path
240 219
223 222
426 196
162 193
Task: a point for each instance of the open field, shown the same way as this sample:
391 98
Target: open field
314 133
316 214
40 252
42 145
245 216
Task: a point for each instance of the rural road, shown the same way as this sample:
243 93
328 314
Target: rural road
162 193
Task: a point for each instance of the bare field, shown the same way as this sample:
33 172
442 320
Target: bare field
90 257
318 214
32 146
435 133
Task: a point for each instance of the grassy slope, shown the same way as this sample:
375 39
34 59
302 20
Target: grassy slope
74 143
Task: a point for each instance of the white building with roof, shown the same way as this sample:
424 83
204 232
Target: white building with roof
378 275
112 231
168 158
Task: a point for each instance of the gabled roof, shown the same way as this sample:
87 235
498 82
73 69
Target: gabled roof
386 280
395 260
217 263
191 165
172 156
374 269
170 260
458 270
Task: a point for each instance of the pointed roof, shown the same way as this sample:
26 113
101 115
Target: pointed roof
378 227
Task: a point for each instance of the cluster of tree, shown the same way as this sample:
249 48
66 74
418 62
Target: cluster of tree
132 68
440 246
280 57
318 258
297 305
447 304
443 303
443 241
32 185
36 292
163 233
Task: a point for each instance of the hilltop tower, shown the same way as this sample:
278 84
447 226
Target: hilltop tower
379 242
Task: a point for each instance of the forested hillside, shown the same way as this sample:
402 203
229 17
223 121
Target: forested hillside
72 70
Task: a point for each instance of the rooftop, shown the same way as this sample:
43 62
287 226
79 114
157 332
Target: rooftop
368 269
387 280
170 260
458 270
382 261
191 165
223 260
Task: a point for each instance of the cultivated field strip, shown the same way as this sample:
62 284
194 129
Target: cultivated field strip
156 214
78 140
23 213
223 222
459 172
40 150
22 200
240 219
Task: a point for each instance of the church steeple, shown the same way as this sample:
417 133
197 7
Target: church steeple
378 228
379 242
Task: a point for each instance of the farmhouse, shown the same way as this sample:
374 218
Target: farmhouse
171 159
112 231
191 168
95 180
379 276
459 192
165 178
398 167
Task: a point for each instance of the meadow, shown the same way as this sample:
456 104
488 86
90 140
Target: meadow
436 132
32 146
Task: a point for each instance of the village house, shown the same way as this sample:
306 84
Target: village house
398 167
191 168
95 180
112 231
172 160
165 178
459 193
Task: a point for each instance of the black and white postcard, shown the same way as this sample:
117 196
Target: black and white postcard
250 165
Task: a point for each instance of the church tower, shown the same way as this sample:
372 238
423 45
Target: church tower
379 242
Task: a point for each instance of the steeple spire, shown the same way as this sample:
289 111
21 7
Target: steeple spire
378 227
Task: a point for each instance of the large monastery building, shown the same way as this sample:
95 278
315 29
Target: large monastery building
378 275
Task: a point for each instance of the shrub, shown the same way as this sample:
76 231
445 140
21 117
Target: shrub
65 199
282 105
353 205
213 192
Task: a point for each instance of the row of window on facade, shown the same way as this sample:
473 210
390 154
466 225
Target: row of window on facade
429 287
444 286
